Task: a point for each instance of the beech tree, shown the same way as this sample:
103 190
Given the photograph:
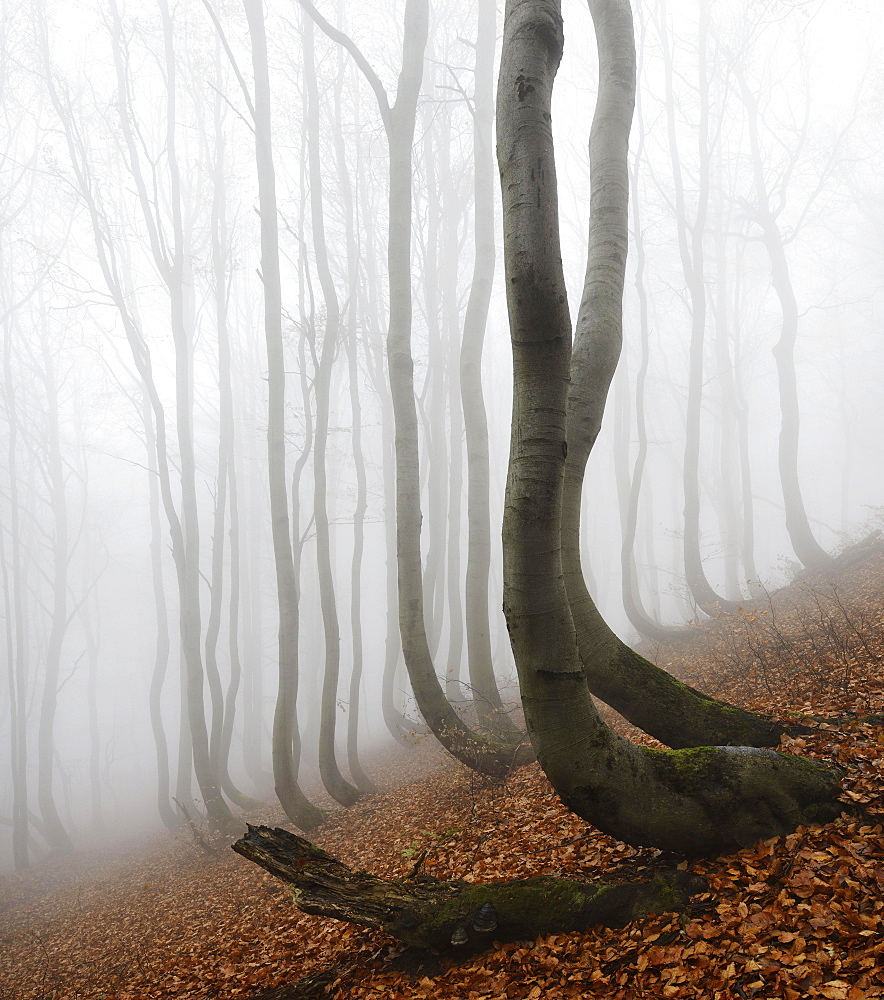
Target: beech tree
706 799
695 800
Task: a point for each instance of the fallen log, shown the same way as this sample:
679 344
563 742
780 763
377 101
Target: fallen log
429 913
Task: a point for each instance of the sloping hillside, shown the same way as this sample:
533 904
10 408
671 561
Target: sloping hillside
797 916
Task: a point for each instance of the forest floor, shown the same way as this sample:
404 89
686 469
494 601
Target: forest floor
792 917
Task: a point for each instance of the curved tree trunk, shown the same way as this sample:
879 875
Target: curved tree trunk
361 779
708 799
691 251
335 783
485 755
649 697
484 687
632 603
806 547
286 742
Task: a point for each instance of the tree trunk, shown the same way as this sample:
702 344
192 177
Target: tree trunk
360 778
286 742
161 612
485 755
335 783
452 916
14 606
691 251
57 835
632 603
806 547
489 707
709 799
649 697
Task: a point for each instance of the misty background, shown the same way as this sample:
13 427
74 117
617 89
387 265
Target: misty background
134 382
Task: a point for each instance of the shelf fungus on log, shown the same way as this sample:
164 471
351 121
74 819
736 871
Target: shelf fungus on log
429 913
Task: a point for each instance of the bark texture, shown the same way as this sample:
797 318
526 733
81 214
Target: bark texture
427 913
286 738
649 697
487 755
704 800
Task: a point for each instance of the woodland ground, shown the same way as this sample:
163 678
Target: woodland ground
793 917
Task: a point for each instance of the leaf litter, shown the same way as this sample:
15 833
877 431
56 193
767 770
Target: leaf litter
792 917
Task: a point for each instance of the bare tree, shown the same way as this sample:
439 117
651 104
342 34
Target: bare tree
734 795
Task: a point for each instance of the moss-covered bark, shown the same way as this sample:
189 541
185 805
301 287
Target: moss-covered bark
427 913
655 701
731 796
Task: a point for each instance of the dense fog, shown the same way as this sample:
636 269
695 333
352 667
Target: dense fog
143 146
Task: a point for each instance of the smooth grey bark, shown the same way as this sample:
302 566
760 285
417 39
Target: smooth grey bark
226 512
399 121
451 246
706 799
806 547
161 613
398 725
741 410
16 632
286 743
637 614
648 696
253 605
432 397
690 245
360 778
335 783
489 707
728 452
56 835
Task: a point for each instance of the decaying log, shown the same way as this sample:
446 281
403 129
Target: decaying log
428 913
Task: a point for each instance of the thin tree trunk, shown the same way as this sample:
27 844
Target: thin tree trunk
335 783
224 703
361 779
806 547
489 707
690 244
286 744
399 122
632 602
16 643
56 834
161 649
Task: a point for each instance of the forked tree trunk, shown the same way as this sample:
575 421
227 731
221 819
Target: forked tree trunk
702 800
451 916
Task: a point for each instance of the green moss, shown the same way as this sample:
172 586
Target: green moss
683 770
